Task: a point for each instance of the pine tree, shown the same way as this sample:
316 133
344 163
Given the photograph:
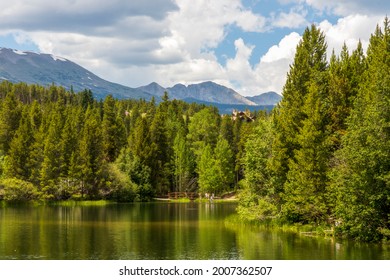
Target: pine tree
181 161
361 177
90 156
9 120
307 69
203 130
161 157
226 130
305 188
345 75
19 151
52 155
113 130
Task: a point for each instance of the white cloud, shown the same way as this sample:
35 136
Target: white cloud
135 43
349 30
272 69
295 18
239 66
347 7
285 49
201 25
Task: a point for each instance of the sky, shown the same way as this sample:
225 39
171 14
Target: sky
247 45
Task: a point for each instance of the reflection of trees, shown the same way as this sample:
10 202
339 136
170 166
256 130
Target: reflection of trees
156 231
256 243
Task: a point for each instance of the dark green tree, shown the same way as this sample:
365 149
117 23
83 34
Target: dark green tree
19 151
203 130
307 69
9 120
258 200
52 155
113 130
305 188
90 154
182 161
361 177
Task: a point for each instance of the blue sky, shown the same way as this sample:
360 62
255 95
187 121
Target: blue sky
247 45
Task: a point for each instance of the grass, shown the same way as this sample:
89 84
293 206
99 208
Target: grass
276 224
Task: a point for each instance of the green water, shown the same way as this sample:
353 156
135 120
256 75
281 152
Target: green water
157 231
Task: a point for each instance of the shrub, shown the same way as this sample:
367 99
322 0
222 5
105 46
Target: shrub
18 190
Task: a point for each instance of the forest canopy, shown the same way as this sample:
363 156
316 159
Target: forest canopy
63 145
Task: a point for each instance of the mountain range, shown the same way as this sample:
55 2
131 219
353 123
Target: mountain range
46 69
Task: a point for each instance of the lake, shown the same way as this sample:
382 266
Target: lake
159 231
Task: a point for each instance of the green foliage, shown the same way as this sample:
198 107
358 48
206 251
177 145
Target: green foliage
258 199
19 151
324 157
305 188
16 190
203 130
215 168
307 71
256 159
120 187
253 208
361 175
224 164
182 161
207 170
9 120
137 172
113 130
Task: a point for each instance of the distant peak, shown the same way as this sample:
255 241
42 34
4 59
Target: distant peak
154 84
179 86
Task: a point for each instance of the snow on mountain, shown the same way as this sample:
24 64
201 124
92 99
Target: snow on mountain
47 69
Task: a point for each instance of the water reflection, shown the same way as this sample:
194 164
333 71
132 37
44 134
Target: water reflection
157 231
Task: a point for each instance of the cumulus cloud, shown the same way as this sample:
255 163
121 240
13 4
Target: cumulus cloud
349 30
135 43
295 18
274 65
116 33
201 25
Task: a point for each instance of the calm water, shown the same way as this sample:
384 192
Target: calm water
157 231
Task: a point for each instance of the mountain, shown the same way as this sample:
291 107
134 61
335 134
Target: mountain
153 89
202 92
267 98
46 69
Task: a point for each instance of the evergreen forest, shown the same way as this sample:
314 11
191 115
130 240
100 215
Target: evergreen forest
322 156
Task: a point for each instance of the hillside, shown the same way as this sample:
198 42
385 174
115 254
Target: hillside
46 69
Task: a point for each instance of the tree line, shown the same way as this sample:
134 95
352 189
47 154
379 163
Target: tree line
323 156
57 144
